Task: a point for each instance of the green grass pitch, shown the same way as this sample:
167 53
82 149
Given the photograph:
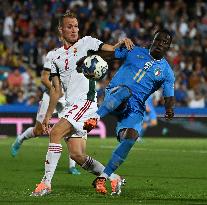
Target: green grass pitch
159 171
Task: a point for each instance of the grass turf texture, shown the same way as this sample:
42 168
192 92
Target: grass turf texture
159 171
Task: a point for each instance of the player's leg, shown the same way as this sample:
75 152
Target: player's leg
59 130
29 133
77 142
72 169
61 112
114 98
127 136
77 147
35 131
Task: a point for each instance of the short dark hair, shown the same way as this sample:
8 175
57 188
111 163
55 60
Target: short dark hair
164 31
67 14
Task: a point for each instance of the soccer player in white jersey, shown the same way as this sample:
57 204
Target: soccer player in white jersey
81 104
37 130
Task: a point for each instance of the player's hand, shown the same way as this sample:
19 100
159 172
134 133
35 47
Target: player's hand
128 43
169 114
80 64
45 125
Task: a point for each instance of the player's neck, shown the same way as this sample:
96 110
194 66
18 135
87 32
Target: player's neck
155 57
67 45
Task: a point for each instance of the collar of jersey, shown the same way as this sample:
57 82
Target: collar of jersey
154 58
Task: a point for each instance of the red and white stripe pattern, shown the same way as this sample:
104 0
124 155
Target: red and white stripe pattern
82 110
55 148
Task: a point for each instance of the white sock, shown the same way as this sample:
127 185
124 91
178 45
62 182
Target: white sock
93 166
104 175
113 176
52 158
71 162
27 134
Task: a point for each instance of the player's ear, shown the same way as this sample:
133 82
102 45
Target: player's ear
60 30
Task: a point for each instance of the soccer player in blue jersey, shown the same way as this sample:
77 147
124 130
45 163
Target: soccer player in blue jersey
143 72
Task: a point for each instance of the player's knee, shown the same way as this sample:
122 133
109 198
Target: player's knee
55 135
38 132
78 157
131 134
38 129
128 133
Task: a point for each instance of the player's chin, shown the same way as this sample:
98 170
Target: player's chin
73 39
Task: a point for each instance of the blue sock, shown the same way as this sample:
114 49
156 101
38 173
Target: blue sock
119 155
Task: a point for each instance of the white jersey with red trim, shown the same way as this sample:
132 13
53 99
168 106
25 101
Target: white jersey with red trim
75 85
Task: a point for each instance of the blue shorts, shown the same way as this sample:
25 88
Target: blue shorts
129 120
126 117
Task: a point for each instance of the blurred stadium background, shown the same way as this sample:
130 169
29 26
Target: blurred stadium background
29 31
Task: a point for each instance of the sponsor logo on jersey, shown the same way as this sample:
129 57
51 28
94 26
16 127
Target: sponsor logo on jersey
140 57
148 64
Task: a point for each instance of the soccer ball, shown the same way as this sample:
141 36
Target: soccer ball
94 67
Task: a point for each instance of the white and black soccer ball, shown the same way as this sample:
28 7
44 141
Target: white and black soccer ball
95 67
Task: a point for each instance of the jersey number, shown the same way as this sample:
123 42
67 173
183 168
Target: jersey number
66 64
74 108
139 75
141 72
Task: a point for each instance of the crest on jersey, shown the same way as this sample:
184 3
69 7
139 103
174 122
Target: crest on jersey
157 71
75 51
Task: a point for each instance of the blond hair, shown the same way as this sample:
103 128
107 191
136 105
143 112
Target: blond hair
67 14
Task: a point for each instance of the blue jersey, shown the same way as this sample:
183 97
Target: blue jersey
143 75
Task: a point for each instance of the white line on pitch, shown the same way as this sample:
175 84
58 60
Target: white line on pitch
159 150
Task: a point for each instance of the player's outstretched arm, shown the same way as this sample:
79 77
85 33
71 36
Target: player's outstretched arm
125 42
169 103
106 52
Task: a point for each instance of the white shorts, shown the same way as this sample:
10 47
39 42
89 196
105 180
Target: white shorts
43 105
77 113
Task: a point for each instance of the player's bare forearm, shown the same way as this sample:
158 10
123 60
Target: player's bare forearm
55 93
45 79
169 104
125 42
